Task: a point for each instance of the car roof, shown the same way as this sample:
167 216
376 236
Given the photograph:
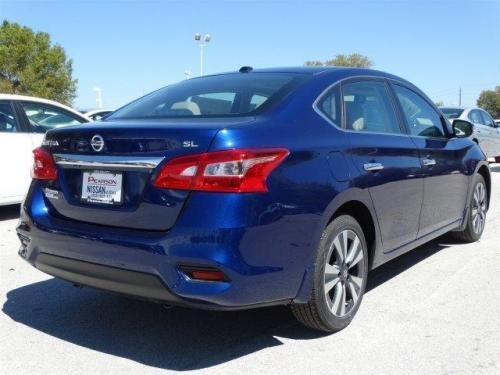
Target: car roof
314 70
331 72
41 100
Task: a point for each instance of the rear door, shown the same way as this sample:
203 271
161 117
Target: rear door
386 158
15 155
442 158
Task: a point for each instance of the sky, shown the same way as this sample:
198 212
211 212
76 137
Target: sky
129 48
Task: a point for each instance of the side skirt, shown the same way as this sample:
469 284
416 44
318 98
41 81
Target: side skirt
419 241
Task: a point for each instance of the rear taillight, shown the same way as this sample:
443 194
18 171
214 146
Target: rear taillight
240 170
44 167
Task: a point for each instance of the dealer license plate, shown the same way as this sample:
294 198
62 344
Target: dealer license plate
102 187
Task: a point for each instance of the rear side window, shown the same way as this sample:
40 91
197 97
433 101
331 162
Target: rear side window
475 117
422 119
8 121
213 96
43 117
329 105
367 108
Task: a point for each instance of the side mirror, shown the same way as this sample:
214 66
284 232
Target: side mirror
462 128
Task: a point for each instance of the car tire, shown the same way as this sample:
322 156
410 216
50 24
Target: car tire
340 274
476 214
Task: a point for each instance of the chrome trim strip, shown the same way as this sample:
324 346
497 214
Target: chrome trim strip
341 128
107 162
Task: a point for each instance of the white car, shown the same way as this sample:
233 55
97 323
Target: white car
486 130
23 123
97 114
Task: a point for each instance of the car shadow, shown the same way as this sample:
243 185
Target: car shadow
176 338
9 212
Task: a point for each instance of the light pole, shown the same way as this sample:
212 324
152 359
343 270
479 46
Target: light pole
98 98
202 42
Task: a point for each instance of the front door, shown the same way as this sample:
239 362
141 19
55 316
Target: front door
442 158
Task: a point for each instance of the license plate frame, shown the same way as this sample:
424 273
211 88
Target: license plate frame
98 187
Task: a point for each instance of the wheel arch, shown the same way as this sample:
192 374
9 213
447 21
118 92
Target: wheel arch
355 202
363 216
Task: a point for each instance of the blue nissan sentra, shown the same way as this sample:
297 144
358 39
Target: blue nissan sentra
254 188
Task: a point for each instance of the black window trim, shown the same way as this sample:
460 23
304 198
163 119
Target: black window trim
444 123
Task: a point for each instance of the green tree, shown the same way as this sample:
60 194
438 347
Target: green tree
490 101
439 103
356 60
31 65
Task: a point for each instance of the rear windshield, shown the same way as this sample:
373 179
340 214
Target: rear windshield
452 112
237 94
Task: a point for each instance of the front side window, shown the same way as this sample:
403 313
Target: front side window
8 121
367 108
487 119
43 117
421 117
225 95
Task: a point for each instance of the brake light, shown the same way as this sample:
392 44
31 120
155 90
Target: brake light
240 170
44 167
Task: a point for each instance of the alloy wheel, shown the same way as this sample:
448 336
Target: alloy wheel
479 208
343 277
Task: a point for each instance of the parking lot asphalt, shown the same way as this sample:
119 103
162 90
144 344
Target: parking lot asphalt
433 310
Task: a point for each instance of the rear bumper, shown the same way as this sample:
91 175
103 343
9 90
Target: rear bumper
130 283
261 266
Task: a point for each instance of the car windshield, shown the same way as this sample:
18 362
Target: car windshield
452 112
225 95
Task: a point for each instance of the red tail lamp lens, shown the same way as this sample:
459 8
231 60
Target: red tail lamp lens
240 170
44 167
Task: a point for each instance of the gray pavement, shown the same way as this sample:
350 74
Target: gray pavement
433 310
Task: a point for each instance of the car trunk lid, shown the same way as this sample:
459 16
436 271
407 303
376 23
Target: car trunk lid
105 171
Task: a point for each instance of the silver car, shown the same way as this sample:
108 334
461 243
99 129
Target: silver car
486 130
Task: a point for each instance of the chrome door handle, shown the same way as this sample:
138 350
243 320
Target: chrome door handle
373 167
427 162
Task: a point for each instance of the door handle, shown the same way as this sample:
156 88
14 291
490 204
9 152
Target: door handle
373 167
428 162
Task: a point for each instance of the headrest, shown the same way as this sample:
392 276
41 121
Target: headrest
189 106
